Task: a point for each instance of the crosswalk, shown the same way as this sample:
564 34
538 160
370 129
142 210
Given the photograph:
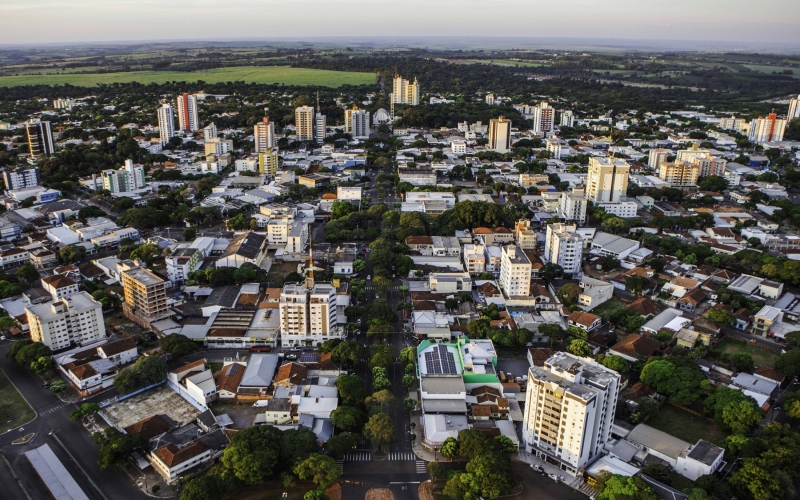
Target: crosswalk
54 408
340 463
358 456
391 288
401 455
421 466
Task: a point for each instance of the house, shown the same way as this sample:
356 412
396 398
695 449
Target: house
669 317
635 346
291 374
747 382
538 355
228 379
594 292
691 300
584 320
769 374
194 381
422 244
646 307
150 427
248 247
690 461
172 461
281 411
93 369
770 289
689 338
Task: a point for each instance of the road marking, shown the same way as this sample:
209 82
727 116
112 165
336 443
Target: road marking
406 482
422 467
340 463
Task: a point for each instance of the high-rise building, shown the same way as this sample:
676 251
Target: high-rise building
567 119
67 321
515 272
490 99
21 178
767 129
731 123
679 174
794 109
607 180
356 122
405 92
304 123
308 315
657 157
40 137
166 124
217 146
573 205
702 158
128 178
187 113
564 247
145 292
499 135
210 132
264 135
569 410
268 162
320 128
543 118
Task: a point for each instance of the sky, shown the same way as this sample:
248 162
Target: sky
74 21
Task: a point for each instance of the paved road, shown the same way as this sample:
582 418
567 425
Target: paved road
760 341
53 415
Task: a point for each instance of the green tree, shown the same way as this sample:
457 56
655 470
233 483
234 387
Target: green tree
435 470
116 446
626 488
636 284
647 407
719 316
28 273
316 495
253 454
340 445
492 472
568 294
681 383
383 401
123 203
742 361
177 345
320 469
462 486
616 363
380 430
449 448
189 234
347 418
789 363
341 209
504 444
742 416
579 347
551 272
297 444
72 253
351 389
408 355
757 482
473 442
657 471
359 266
146 371
791 405
379 330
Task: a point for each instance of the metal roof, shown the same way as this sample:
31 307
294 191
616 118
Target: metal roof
55 476
658 441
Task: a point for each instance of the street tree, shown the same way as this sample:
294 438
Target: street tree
616 363
579 347
321 469
449 449
380 430
341 444
253 453
347 418
177 345
351 389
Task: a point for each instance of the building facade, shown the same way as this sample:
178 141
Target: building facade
543 118
304 123
268 162
607 180
264 135
767 129
515 272
126 179
40 138
21 178
166 124
499 135
356 122
569 410
74 320
679 174
187 113
573 206
145 292
405 92
564 247
307 313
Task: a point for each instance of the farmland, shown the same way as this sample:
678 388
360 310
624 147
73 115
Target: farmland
249 74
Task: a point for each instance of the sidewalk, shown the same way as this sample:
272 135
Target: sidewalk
573 482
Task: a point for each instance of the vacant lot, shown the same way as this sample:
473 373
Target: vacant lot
248 74
684 425
159 400
14 410
761 357
606 309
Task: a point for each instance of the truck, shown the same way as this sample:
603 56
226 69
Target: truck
261 403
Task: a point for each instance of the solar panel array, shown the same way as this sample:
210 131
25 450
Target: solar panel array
440 360
309 357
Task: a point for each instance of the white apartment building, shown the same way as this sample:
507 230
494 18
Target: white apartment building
348 193
40 137
573 206
794 109
59 286
77 319
187 113
657 157
126 179
21 178
459 147
405 92
449 199
731 123
679 174
703 160
307 315
474 258
210 132
564 247
767 129
166 124
515 272
524 235
320 128
607 180
569 410
264 135
499 135
623 209
304 123
356 122
451 283
543 118
246 165
567 119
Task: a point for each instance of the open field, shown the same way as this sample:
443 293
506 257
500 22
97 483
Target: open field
761 357
684 425
14 410
606 309
248 74
769 69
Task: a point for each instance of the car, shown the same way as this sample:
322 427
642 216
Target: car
554 477
290 356
369 277
2 337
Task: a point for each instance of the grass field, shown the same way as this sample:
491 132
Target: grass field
608 308
770 69
248 74
761 357
684 425
14 410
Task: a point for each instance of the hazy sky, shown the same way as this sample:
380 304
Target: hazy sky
48 21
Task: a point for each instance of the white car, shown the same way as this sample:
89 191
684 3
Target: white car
369 277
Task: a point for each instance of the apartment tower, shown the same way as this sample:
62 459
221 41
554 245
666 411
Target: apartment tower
304 123
767 129
187 113
67 321
515 272
145 292
499 135
543 118
564 247
607 181
166 124
40 138
264 135
405 92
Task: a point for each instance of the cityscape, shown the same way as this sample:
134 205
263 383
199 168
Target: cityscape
398 266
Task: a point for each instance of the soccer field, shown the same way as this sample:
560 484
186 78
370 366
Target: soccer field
248 74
